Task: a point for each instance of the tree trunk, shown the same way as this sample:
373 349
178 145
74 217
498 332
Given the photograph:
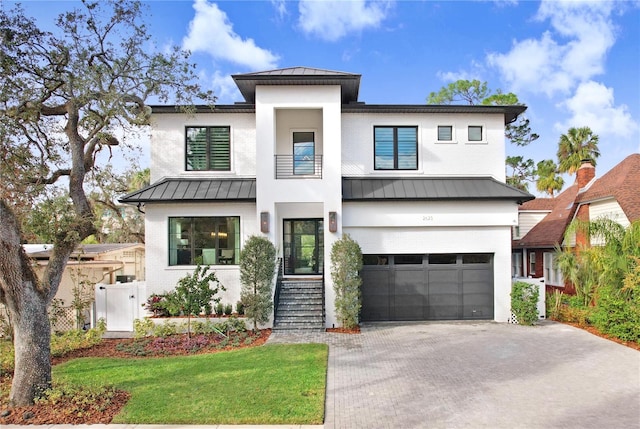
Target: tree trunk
32 337
26 300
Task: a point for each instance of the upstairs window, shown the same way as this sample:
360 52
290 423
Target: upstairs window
445 133
395 148
208 148
475 133
304 152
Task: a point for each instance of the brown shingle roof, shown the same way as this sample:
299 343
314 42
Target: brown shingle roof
622 182
550 230
538 204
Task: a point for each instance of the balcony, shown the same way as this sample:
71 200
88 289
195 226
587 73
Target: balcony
298 167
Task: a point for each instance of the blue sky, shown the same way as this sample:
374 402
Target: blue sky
574 63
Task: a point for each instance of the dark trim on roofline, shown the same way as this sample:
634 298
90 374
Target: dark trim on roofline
510 113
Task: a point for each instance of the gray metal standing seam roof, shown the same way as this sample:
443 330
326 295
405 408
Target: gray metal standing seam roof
430 188
353 189
349 82
195 190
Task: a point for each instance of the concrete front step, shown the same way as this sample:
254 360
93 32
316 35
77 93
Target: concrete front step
301 291
299 311
302 285
300 317
298 326
300 306
298 298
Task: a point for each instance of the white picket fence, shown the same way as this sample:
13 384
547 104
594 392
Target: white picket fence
120 304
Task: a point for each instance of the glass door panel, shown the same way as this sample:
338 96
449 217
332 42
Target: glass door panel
303 246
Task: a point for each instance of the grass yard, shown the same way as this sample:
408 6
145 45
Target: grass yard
274 384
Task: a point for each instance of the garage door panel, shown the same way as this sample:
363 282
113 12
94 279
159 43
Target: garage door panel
444 294
410 295
477 293
429 292
375 295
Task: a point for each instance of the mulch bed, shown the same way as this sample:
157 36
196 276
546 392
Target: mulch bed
355 330
594 331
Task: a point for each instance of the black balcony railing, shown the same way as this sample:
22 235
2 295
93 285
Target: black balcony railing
298 166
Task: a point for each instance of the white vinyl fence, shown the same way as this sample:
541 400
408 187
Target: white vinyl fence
542 298
120 304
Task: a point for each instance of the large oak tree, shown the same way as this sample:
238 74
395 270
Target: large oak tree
66 96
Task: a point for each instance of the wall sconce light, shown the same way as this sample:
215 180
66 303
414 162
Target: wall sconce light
264 222
333 222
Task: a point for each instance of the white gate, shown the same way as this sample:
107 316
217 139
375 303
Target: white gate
120 304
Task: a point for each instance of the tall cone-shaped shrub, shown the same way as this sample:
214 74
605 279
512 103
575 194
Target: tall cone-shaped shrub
257 269
346 262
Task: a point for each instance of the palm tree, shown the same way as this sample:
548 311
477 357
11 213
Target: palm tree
575 146
139 179
549 180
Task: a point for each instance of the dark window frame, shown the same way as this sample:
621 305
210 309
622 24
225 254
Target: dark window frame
209 162
396 163
184 250
481 133
450 128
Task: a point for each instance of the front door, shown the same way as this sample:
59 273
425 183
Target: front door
303 246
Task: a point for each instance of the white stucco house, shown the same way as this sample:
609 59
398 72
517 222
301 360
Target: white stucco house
302 161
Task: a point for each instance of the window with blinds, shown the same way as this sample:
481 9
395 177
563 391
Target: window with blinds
395 148
208 148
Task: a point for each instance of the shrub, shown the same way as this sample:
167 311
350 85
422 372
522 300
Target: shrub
78 400
346 262
618 314
524 302
219 309
200 328
157 305
65 342
228 309
257 270
165 329
240 308
194 291
143 328
554 304
232 324
573 310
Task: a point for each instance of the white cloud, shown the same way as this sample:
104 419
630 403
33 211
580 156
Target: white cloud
593 106
332 19
211 31
476 72
574 49
281 7
225 88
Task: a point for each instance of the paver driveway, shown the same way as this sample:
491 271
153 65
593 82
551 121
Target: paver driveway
478 375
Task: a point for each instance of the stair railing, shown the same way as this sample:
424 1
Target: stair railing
276 295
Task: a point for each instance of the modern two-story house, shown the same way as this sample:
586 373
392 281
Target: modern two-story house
302 161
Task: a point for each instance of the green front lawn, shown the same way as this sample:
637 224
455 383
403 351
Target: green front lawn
274 384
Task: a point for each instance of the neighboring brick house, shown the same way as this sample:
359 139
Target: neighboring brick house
615 195
301 161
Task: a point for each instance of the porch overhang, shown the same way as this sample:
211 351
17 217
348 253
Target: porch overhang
173 190
430 189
